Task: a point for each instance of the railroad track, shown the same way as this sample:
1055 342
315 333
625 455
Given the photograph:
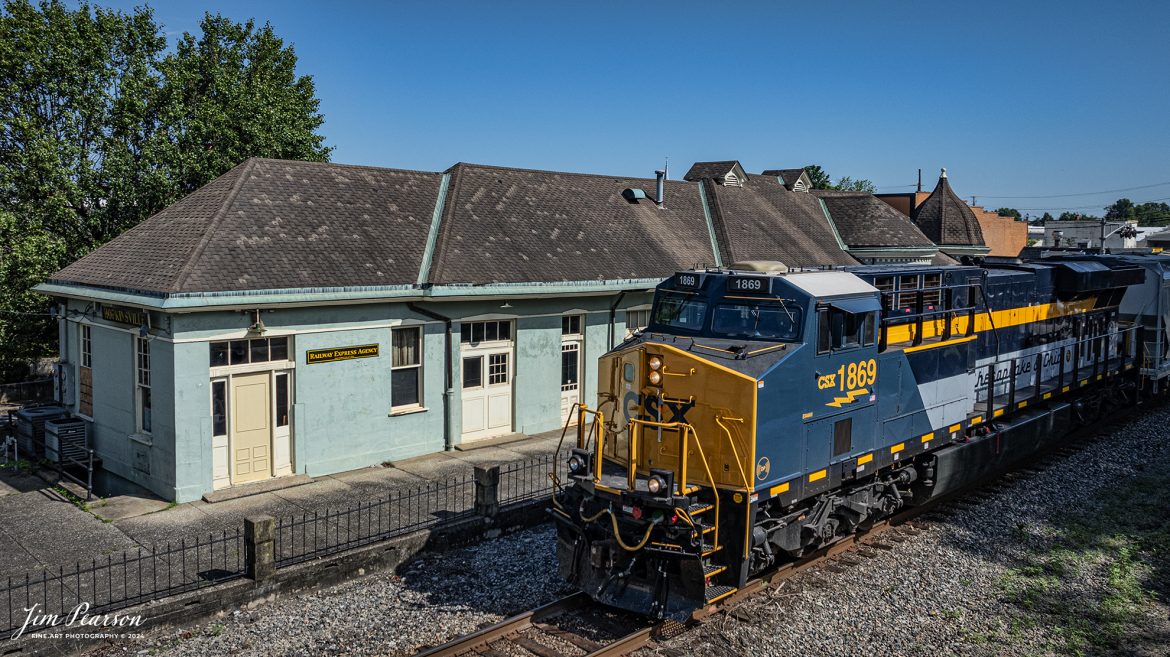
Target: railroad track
570 640
570 627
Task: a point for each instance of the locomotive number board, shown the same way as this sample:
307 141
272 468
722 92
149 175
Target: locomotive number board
688 281
750 284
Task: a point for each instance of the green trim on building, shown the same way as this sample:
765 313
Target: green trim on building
424 270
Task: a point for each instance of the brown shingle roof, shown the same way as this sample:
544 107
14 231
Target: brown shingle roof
519 225
789 176
713 170
946 220
863 220
764 221
273 224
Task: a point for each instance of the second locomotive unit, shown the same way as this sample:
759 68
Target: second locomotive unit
764 414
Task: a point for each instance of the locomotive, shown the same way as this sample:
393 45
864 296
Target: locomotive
766 413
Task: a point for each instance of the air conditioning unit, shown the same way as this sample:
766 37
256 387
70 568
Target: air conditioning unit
30 429
66 440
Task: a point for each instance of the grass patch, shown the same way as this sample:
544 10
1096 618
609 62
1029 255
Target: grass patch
1094 583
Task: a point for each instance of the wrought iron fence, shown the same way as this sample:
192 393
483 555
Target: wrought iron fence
318 534
115 582
137 576
523 481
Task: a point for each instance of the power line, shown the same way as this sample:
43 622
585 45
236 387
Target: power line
1082 207
1105 191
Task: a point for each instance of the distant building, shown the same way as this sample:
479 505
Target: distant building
957 228
1087 234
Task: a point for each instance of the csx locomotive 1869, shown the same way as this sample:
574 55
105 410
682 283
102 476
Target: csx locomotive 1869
764 413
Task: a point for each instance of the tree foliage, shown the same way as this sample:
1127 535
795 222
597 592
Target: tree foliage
820 180
1009 212
100 128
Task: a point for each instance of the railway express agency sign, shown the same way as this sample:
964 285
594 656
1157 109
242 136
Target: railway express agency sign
341 353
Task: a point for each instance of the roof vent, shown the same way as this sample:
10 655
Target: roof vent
633 194
764 266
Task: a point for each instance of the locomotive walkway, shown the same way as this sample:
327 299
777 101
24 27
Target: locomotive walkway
42 528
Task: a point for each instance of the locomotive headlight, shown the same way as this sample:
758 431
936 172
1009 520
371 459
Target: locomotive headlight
655 485
660 482
655 378
655 363
579 462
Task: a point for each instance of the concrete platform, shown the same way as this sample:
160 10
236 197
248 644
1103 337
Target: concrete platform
266 486
40 528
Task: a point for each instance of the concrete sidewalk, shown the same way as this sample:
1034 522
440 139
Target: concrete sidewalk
40 528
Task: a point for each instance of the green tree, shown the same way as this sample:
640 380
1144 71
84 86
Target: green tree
1152 214
1122 209
231 93
1009 212
818 176
1077 216
848 184
99 129
820 180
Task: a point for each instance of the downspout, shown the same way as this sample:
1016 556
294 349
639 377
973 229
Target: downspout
612 316
448 367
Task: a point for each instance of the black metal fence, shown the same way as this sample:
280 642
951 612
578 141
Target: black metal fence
523 481
115 582
138 576
314 535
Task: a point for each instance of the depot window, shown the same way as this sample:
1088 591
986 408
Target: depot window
477 332
142 401
243 352
406 367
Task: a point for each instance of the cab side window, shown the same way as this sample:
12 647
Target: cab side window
838 330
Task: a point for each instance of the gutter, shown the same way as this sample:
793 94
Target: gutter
612 316
448 368
251 299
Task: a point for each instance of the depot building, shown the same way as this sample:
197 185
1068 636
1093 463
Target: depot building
312 318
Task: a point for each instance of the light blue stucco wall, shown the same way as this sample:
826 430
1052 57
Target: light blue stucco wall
341 415
145 460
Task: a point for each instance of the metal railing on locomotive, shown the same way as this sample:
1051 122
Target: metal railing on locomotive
1097 346
685 431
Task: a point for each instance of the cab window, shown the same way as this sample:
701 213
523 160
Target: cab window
758 321
839 330
680 311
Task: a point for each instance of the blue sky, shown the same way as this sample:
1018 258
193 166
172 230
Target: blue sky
1015 98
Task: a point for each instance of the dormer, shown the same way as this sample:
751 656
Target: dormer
727 172
795 180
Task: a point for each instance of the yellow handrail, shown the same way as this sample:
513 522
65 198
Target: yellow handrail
583 411
734 452
685 431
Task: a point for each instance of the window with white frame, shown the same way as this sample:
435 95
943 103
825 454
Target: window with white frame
476 332
406 367
142 384
636 320
85 372
571 325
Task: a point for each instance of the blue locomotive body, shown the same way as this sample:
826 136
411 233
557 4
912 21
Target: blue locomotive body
764 414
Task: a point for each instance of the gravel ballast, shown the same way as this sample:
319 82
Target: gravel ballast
1073 560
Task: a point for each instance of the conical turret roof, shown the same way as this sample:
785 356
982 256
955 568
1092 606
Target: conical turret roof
946 219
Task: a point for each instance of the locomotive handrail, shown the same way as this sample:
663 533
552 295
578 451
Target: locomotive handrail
584 411
743 476
685 431
1093 347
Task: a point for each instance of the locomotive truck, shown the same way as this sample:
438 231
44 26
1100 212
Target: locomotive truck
765 413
